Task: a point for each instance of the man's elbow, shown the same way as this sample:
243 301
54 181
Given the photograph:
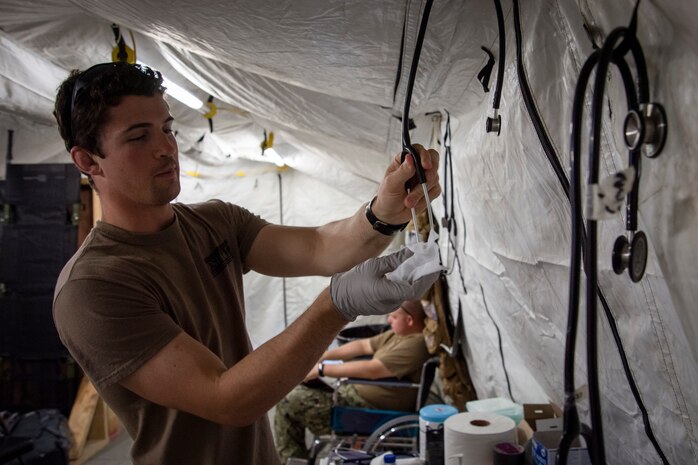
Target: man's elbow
235 411
378 373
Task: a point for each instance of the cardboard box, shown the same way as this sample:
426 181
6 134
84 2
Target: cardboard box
524 432
536 412
533 413
546 440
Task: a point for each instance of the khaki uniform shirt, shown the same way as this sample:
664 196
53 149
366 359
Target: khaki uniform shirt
403 356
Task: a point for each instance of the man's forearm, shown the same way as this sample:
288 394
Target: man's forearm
261 379
349 350
350 241
368 369
186 375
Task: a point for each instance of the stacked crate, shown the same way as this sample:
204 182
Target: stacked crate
38 235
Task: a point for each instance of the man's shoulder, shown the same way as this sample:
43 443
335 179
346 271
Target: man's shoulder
95 260
213 206
207 205
213 210
410 339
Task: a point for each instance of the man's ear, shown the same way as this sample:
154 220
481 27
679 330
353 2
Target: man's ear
85 161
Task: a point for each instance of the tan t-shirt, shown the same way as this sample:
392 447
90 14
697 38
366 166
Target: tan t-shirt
124 296
403 356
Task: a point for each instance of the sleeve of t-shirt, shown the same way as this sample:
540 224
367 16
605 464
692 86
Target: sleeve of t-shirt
113 314
403 356
379 340
243 223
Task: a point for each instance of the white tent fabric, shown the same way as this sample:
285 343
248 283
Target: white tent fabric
327 78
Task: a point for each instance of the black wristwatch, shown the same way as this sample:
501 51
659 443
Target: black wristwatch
321 369
381 226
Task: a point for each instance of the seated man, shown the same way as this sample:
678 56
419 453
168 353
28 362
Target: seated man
399 352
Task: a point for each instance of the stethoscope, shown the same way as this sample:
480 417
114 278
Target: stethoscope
644 133
448 221
407 148
494 123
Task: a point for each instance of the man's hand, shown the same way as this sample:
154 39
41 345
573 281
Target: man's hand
364 290
393 204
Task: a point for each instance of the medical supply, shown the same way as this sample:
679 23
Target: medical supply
424 261
431 432
390 458
498 405
508 453
469 438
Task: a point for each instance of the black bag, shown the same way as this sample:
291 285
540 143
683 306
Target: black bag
40 437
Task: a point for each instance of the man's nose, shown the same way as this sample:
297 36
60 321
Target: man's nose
167 145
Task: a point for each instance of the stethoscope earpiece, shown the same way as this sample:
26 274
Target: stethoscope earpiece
646 129
631 255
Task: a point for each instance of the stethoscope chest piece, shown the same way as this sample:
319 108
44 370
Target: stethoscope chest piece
631 255
646 129
494 124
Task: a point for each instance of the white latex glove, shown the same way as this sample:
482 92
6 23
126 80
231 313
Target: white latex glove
365 290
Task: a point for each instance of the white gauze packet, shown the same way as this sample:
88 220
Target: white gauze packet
424 261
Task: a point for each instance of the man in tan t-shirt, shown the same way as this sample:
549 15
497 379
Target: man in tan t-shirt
151 306
397 353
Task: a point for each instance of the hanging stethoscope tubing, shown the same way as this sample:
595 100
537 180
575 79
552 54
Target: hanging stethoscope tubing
559 171
571 423
494 123
448 221
645 131
407 148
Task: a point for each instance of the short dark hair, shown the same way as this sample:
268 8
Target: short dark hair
84 97
413 308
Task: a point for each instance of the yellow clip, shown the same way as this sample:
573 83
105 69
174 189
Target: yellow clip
130 52
212 110
268 141
130 55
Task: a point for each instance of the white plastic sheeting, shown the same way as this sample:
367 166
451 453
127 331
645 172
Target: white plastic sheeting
326 77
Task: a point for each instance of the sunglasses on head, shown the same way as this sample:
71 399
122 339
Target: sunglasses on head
85 79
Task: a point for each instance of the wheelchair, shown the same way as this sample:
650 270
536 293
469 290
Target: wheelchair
374 430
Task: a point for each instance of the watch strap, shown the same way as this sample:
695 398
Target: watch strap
381 226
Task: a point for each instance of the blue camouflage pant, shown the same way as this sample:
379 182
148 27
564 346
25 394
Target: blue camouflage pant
309 408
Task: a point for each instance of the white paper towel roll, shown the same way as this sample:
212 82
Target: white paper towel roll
470 437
